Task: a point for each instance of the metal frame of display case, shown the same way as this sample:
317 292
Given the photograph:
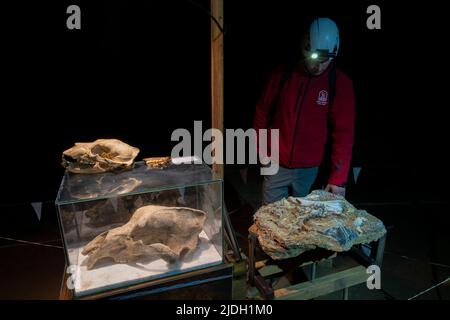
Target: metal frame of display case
171 286
208 283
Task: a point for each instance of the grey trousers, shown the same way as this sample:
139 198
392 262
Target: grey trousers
277 187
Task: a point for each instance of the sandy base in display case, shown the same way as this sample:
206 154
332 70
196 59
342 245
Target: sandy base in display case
109 275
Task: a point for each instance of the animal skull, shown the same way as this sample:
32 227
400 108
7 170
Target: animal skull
152 232
99 156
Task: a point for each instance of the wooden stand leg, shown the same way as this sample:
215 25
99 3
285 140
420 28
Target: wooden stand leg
254 277
251 258
345 294
377 252
313 270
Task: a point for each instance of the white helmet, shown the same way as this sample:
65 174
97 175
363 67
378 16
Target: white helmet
323 39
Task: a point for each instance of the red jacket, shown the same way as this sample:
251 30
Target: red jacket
301 116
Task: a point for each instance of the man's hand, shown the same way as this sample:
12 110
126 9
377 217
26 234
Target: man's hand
340 191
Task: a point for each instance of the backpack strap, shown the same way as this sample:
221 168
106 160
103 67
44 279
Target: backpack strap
331 85
325 167
276 100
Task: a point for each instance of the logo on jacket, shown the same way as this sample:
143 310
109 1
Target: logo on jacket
322 99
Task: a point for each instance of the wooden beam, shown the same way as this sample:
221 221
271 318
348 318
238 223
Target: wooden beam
267 269
217 76
324 285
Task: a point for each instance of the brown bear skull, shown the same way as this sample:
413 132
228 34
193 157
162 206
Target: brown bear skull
101 155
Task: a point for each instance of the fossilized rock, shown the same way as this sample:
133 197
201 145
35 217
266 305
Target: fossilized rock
158 162
291 226
152 232
99 156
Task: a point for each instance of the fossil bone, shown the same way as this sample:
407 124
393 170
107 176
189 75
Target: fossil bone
99 156
158 162
153 232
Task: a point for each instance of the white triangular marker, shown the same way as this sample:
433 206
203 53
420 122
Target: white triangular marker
356 171
37 206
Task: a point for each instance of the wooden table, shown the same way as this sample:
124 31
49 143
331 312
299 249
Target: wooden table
260 272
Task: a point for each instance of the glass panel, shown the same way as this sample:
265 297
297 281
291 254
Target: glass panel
114 240
141 179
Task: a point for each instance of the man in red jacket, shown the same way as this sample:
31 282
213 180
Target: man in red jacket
307 103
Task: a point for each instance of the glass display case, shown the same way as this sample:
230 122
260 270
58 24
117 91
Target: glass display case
121 229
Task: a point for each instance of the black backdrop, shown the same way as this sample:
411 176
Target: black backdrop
139 69
135 71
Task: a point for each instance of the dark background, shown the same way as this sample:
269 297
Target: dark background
137 70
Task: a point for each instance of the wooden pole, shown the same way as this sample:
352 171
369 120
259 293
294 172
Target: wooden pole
217 76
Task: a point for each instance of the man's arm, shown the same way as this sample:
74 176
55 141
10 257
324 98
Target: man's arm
342 134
